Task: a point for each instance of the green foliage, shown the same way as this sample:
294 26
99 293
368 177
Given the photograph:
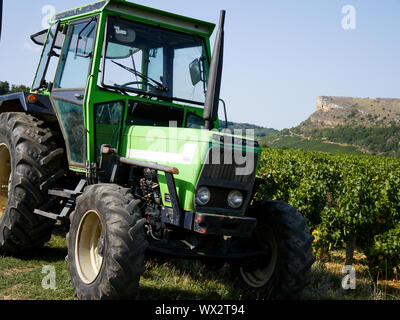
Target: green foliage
259 132
285 132
353 113
384 255
382 141
278 141
5 88
19 88
343 196
377 140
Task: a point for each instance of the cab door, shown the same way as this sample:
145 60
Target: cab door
69 90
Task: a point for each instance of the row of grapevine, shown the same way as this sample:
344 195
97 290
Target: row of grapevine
346 198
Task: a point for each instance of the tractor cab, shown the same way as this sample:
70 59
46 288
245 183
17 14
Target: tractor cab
111 64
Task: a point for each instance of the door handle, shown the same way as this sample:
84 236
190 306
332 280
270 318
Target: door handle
79 96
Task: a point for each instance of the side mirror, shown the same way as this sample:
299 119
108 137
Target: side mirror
195 71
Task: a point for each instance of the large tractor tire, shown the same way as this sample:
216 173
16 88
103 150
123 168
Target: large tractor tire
30 162
106 244
285 269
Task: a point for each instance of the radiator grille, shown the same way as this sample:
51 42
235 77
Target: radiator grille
229 165
224 170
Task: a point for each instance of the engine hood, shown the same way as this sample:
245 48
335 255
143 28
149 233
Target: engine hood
185 149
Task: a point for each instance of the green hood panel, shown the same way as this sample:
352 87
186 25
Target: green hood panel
182 148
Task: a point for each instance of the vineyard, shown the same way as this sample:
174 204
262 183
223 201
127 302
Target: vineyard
345 198
350 201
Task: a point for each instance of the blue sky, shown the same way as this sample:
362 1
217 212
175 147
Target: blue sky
279 54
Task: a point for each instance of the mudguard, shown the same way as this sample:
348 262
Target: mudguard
17 102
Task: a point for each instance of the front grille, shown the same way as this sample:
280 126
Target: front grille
224 170
221 167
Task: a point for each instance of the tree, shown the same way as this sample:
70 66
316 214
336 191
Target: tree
20 88
4 87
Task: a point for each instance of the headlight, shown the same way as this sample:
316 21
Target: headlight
203 196
235 199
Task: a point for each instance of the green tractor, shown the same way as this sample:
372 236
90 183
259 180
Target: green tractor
119 139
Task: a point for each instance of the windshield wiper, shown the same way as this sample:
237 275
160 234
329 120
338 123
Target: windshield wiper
150 94
159 86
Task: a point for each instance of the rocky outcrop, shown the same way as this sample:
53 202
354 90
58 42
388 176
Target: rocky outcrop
368 112
326 104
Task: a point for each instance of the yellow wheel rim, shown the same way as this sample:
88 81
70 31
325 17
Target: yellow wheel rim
89 247
260 277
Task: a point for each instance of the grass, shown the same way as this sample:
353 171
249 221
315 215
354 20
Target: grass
21 279
327 281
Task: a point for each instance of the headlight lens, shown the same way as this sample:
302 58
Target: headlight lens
203 196
235 199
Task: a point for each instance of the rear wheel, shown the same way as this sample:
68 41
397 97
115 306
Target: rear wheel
30 162
106 244
285 268
5 177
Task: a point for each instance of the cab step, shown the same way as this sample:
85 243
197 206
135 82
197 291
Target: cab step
69 205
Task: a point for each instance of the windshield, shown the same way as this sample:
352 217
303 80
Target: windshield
38 82
143 59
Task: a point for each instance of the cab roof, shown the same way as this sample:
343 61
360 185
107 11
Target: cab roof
141 12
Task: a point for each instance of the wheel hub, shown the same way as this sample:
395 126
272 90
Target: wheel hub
258 275
89 247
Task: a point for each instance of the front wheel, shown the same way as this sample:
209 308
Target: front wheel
106 244
284 270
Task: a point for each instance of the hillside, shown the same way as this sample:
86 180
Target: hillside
348 125
259 132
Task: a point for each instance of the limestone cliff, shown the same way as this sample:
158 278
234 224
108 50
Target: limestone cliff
368 112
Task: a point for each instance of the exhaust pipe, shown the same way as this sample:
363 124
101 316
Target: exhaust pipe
214 79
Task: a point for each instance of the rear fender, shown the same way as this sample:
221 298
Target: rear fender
17 102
